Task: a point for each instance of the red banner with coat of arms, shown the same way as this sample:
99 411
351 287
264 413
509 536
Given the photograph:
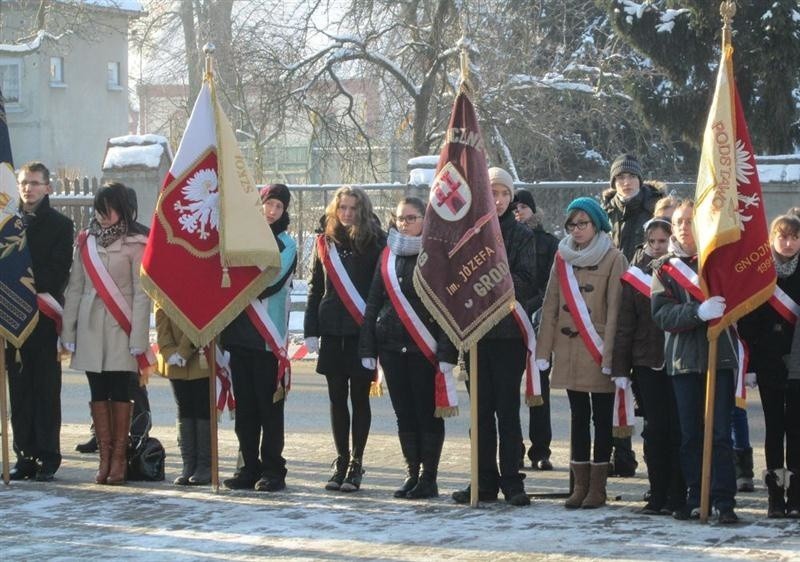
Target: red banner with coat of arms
200 268
462 273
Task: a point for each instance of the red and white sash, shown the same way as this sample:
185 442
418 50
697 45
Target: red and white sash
533 379
341 281
50 307
278 344
687 278
446 397
623 422
578 309
638 279
111 296
224 381
785 305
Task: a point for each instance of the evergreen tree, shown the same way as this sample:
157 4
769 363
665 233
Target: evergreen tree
681 40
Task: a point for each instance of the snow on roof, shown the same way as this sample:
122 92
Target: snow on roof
148 156
423 161
128 140
125 5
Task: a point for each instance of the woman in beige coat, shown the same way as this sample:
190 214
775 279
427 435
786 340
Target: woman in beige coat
582 357
190 386
99 345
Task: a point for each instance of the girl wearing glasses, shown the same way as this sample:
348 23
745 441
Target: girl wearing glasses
639 348
393 310
345 256
578 325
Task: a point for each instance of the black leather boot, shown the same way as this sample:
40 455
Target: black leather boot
410 447
774 480
431 452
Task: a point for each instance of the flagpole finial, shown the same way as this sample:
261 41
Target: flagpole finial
209 49
466 82
727 10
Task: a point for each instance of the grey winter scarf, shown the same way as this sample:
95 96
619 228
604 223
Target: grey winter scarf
403 245
588 256
782 267
676 248
107 236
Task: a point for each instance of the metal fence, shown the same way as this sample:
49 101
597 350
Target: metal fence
74 199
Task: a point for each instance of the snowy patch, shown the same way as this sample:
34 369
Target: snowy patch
137 139
148 156
125 5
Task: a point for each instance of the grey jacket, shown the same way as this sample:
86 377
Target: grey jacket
675 312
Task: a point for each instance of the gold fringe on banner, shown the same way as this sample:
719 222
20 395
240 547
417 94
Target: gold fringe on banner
375 389
279 394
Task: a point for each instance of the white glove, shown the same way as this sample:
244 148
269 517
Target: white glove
711 308
606 371
136 351
369 363
750 380
446 368
68 346
621 382
177 360
542 364
312 345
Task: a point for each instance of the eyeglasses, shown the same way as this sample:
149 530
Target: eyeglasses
577 225
408 219
32 183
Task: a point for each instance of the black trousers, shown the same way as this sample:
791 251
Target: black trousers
782 424
356 387
110 385
259 420
590 408
500 367
540 432
34 386
411 382
667 486
191 398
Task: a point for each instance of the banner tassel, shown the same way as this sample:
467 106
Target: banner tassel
203 359
448 412
533 401
226 278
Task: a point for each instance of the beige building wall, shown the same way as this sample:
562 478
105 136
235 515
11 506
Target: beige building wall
66 123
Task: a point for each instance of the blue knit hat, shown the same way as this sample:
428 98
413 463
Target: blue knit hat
592 208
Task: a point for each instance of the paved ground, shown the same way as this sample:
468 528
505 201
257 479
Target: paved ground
73 518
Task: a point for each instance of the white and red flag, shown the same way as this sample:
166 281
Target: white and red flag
733 247
210 251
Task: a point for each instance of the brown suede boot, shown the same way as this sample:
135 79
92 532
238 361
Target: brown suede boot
597 486
101 416
121 424
580 485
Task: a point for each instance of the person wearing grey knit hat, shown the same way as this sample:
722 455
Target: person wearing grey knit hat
629 171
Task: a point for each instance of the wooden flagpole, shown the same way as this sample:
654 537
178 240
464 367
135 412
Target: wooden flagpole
708 432
4 412
473 424
212 419
727 10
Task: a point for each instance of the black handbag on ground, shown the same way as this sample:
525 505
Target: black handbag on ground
146 456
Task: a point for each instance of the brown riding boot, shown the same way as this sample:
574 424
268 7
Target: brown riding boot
121 424
101 416
580 484
597 486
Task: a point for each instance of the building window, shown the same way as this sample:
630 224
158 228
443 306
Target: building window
10 80
113 75
56 70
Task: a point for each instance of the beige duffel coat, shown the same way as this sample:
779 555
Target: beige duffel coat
100 343
573 367
172 340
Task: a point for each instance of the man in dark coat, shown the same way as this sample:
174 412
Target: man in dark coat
629 203
501 362
34 371
540 431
